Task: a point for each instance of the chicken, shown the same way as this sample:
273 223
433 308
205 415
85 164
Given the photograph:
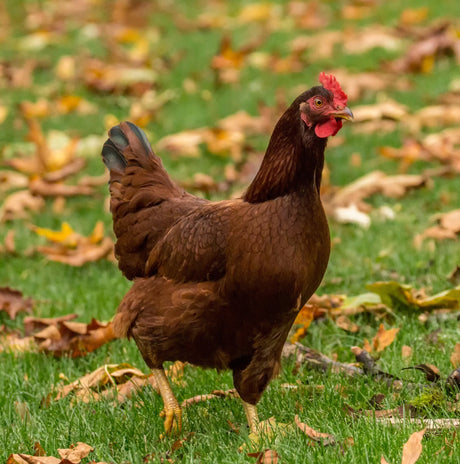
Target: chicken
219 284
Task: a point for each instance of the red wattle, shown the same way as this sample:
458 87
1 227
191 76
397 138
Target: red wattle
328 128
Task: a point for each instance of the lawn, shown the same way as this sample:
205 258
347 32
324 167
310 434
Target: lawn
71 70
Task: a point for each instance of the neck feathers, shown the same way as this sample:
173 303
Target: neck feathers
293 161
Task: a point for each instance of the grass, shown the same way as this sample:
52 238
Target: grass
383 252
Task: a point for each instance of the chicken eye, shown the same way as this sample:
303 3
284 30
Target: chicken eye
318 102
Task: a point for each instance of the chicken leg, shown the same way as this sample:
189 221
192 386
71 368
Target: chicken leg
251 415
172 411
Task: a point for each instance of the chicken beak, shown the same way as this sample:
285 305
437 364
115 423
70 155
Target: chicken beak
344 113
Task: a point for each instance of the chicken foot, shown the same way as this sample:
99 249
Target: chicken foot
172 411
251 415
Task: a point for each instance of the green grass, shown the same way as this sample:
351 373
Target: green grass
385 251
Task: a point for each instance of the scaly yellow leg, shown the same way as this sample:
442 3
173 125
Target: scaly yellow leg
251 415
172 410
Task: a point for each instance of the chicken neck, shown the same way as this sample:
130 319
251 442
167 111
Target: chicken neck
292 163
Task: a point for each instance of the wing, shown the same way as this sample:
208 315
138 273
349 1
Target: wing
194 249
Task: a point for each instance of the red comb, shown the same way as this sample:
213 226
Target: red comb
329 82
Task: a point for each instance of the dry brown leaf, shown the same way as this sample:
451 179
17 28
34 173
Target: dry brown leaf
12 180
388 109
371 184
18 205
448 228
267 456
455 356
406 352
8 246
383 338
412 449
72 455
27 459
35 324
14 343
324 438
176 373
74 338
12 302
119 77
346 324
39 186
422 55
75 453
91 387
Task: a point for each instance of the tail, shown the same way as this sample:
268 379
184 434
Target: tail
143 197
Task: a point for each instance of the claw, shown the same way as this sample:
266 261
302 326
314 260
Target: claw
173 419
172 411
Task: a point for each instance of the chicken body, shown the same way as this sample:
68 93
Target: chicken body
219 284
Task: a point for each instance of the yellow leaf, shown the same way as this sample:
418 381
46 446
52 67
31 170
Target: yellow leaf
304 318
427 64
256 12
68 103
65 236
98 233
384 338
3 113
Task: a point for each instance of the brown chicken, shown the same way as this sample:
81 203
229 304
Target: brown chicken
219 284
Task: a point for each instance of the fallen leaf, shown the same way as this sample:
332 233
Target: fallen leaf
35 324
74 249
455 356
383 338
75 453
39 186
346 324
12 302
324 438
422 54
133 79
267 456
303 319
406 352
126 378
9 246
18 205
412 449
410 16
27 459
176 373
399 296
375 182
388 109
74 338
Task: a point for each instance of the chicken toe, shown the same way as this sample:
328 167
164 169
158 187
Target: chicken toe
172 411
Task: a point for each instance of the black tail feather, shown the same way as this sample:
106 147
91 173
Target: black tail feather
141 136
117 143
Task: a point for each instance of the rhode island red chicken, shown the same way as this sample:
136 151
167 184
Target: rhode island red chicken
219 284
